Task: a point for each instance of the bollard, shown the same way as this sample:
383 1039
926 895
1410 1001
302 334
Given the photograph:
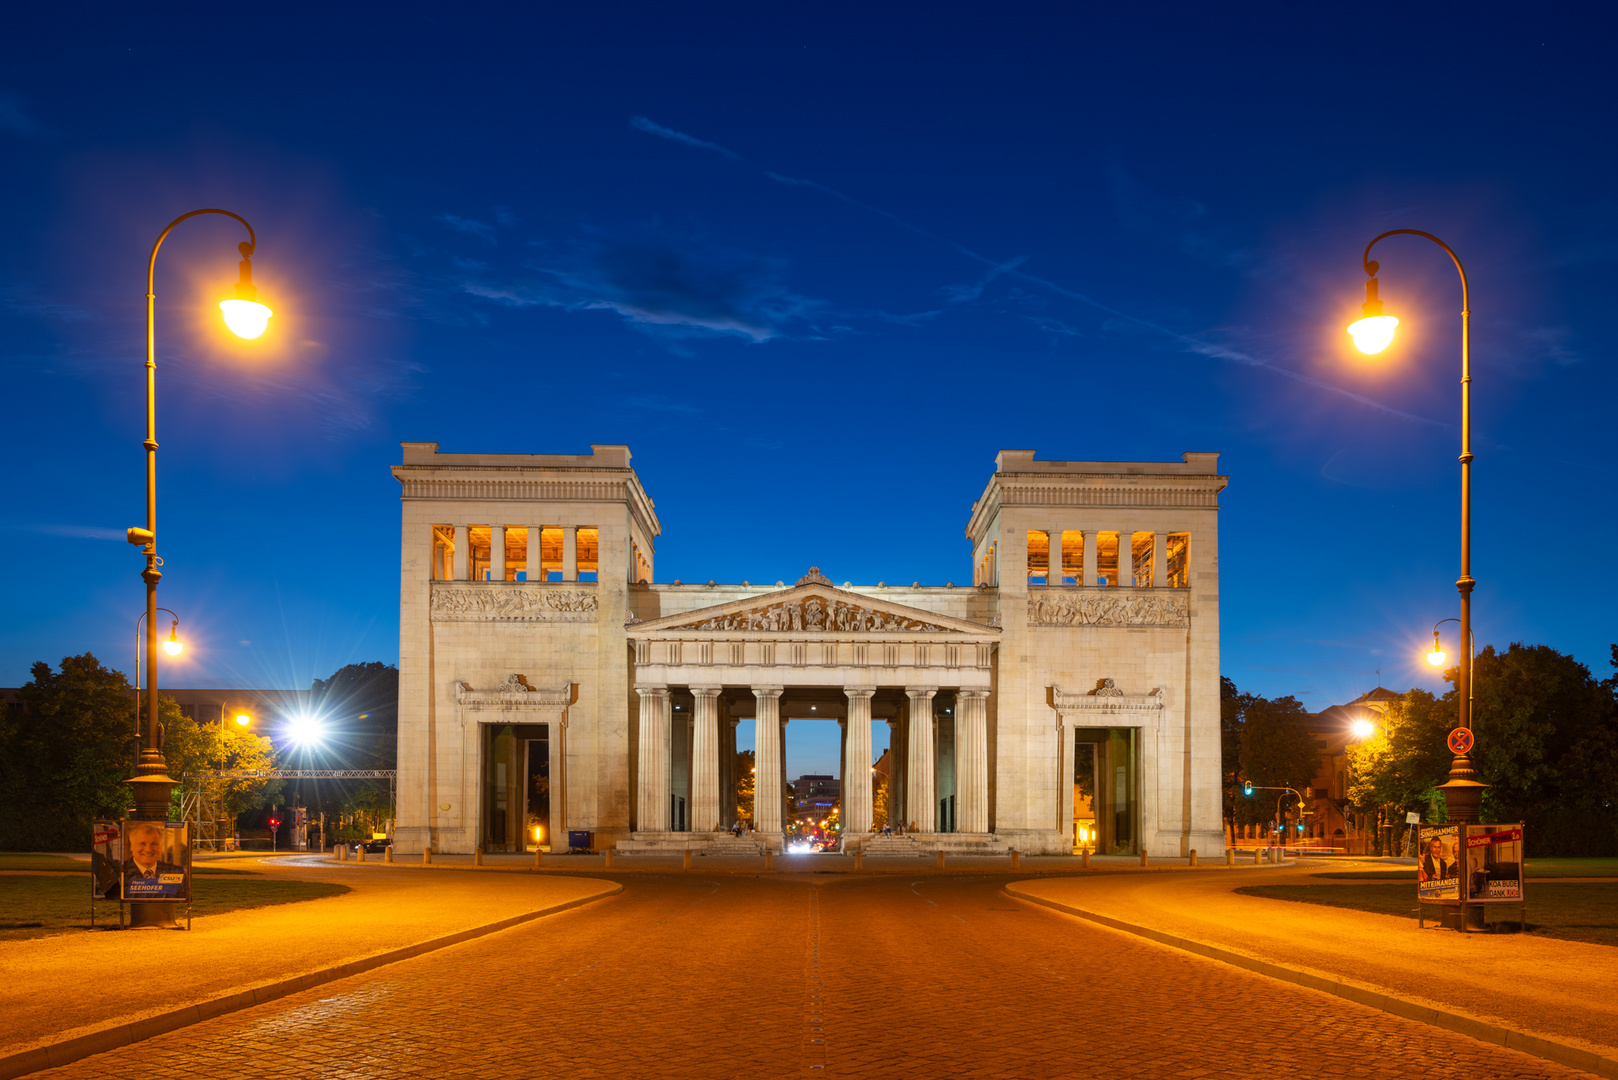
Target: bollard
359 853
427 856
1143 857
538 858
477 856
1193 856
859 859
608 854
687 863
387 854
769 861
342 853
1085 860
1016 858
1230 856
940 860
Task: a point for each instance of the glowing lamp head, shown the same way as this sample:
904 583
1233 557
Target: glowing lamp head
1362 729
174 646
1437 657
244 315
246 318
242 719
305 730
1373 331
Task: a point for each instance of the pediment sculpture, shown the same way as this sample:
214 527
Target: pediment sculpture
815 613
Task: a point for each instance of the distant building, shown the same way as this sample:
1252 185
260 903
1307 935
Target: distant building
815 796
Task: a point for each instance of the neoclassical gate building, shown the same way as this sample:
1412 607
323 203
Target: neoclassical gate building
1066 695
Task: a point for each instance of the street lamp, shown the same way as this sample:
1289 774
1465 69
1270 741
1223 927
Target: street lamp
1463 793
246 318
173 646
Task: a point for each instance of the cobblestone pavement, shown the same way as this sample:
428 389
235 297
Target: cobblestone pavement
693 976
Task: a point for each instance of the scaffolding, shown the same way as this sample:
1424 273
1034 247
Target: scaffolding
201 796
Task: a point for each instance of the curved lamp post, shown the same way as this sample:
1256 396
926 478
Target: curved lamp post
246 318
1373 332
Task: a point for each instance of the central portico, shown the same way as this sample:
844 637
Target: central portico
844 655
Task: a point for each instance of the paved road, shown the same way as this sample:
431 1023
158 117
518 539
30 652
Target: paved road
795 975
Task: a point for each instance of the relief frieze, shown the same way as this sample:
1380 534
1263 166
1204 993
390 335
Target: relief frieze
814 613
513 603
1109 607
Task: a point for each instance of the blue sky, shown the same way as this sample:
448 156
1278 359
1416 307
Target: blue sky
815 267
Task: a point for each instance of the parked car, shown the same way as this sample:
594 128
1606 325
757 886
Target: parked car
372 847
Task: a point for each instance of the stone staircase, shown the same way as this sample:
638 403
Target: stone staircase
919 844
745 845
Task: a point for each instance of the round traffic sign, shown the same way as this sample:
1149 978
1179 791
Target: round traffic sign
1460 740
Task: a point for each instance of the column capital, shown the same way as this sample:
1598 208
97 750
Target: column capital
859 691
651 689
706 691
974 694
762 692
921 691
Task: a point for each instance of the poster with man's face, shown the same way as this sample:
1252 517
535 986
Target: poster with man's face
106 859
1438 872
157 860
1494 863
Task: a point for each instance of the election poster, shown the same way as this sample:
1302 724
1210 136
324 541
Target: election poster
106 859
157 860
1438 872
1494 864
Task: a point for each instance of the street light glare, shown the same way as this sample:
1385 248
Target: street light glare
243 719
246 318
1362 729
305 730
173 647
1373 333
1437 657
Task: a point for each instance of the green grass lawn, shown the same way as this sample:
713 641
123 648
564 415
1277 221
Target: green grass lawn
1577 912
1537 868
33 907
80 866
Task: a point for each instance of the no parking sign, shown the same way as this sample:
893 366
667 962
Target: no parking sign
1460 740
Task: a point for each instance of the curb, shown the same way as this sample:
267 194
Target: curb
1536 1046
111 1038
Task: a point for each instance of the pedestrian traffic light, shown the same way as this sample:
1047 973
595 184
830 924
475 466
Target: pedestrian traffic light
1247 789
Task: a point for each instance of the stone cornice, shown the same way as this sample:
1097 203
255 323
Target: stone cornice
1106 699
513 483
513 695
1101 490
810 612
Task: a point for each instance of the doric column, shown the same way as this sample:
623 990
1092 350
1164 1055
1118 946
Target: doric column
705 759
463 553
497 553
1092 569
536 557
652 791
570 553
1126 558
1160 560
1053 575
857 762
972 769
921 803
768 784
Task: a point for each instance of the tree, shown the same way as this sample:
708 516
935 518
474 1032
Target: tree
1277 750
66 750
359 707
198 750
1396 771
1233 705
744 785
879 802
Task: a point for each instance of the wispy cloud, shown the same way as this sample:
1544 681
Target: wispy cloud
77 532
22 299
479 229
1188 343
1550 344
961 294
640 123
16 119
662 281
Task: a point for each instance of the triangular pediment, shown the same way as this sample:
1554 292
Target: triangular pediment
812 609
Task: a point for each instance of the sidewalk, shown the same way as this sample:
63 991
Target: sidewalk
1566 991
71 985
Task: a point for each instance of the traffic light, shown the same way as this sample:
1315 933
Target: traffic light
1247 789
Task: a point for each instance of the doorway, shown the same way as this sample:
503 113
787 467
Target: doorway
516 788
1106 810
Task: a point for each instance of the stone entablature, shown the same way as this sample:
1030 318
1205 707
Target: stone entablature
1084 606
1097 707
514 601
514 695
